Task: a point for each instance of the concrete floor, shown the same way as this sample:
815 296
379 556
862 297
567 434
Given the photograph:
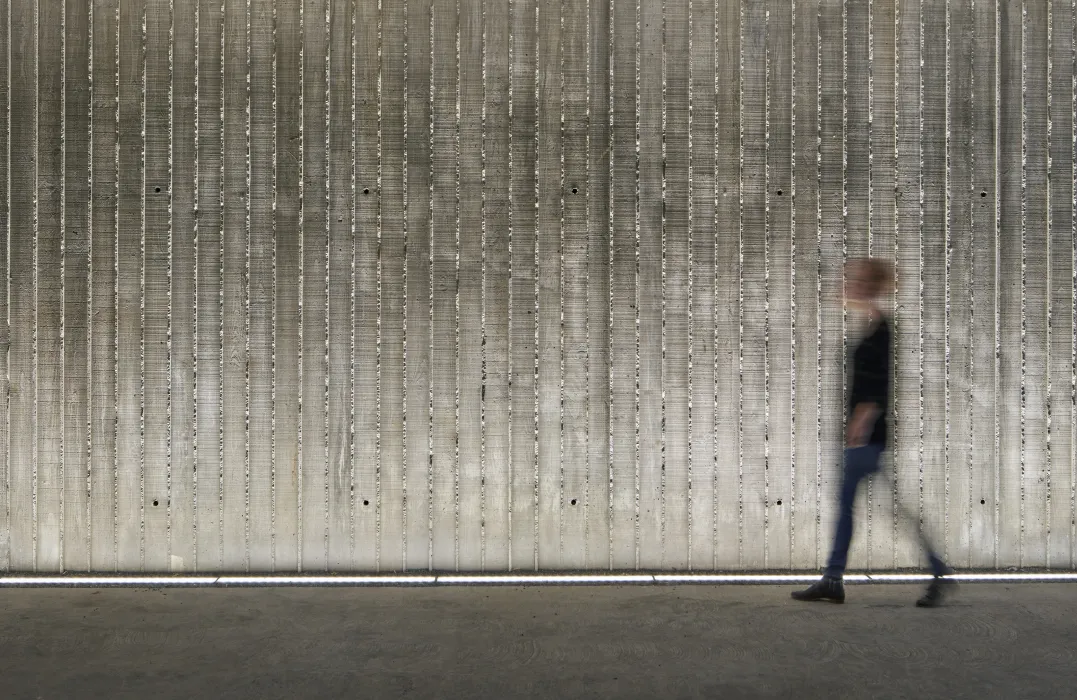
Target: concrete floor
993 640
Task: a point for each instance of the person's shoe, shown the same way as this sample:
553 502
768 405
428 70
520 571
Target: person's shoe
827 588
938 589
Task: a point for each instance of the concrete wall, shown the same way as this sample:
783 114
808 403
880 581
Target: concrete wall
310 285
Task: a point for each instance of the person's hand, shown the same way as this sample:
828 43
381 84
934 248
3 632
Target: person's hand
860 424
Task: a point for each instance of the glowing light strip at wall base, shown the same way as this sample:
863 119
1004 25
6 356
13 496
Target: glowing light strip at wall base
428 580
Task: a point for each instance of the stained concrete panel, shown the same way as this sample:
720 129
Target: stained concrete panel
318 285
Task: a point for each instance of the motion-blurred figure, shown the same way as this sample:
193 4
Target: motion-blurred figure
867 280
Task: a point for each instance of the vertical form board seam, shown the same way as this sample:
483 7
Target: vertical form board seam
611 24
353 225
948 247
89 296
510 347
195 241
300 282
561 290
247 304
168 332
328 251
34 369
115 299
662 312
428 341
62 389
1073 290
691 296
142 300
766 290
818 284
404 319
845 214
997 290
714 314
740 288
1049 289
1024 234
456 320
792 277
482 304
377 356
870 222
637 282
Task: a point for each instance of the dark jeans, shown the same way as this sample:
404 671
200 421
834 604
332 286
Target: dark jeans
860 463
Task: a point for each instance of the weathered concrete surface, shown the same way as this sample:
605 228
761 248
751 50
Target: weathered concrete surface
678 642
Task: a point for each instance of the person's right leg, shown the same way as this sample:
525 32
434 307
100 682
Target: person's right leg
859 463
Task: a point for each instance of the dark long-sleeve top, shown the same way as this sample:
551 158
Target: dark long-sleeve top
871 377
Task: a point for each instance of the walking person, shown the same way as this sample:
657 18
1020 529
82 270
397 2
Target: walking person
867 280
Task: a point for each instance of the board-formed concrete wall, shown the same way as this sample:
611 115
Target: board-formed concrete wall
318 285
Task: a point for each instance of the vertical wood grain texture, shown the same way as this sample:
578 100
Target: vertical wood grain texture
182 524
1011 244
49 484
490 286
496 406
548 248
779 274
701 185
522 286
102 290
935 236
417 356
675 286
129 520
157 244
649 292
208 550
961 200
392 543
235 213
366 339
599 235
727 286
339 286
260 290
1061 243
575 350
314 525
831 237
469 375
753 284
444 284
805 533
984 290
1036 272
76 241
5 292
623 281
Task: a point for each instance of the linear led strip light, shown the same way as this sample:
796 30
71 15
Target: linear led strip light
428 580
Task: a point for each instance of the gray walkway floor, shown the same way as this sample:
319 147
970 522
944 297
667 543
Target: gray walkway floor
993 640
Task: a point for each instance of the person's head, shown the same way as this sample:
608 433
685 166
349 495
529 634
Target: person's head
867 280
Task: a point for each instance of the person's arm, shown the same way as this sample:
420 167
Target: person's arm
870 394
861 423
